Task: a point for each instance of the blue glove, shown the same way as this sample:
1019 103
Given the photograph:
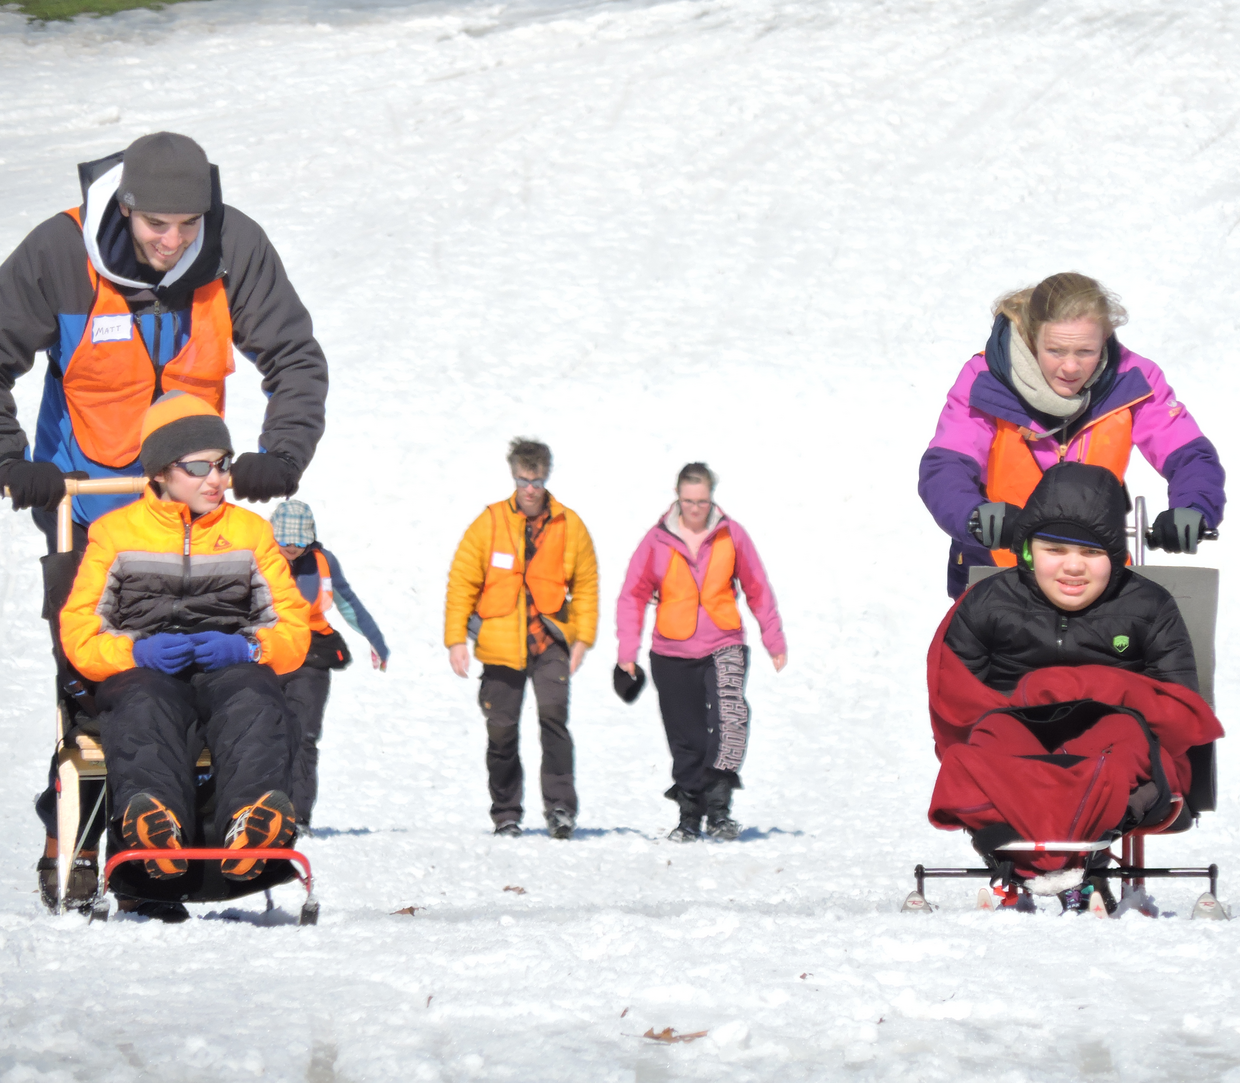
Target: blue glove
215 650
167 652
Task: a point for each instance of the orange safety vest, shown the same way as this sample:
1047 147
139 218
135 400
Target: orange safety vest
1012 473
679 598
322 603
543 576
110 379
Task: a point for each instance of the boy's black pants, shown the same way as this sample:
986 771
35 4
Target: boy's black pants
306 690
705 714
153 727
500 697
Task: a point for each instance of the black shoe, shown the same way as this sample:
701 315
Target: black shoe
717 797
170 913
690 827
83 883
560 823
722 827
510 828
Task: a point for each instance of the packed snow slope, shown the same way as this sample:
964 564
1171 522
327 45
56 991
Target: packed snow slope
763 233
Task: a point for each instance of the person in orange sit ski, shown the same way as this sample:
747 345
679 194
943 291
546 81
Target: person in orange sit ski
184 613
322 583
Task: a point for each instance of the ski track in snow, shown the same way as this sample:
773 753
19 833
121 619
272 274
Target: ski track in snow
761 232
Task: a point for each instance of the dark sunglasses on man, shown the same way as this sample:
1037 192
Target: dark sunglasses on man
200 468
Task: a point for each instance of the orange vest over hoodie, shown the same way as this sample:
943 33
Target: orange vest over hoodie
110 379
676 616
1013 473
543 576
322 603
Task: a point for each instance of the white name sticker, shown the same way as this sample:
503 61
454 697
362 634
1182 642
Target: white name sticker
111 328
502 560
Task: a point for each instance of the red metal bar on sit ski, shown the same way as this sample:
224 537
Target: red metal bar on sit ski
211 853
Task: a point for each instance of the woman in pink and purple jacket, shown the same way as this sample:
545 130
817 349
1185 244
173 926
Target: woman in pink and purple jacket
691 561
1054 385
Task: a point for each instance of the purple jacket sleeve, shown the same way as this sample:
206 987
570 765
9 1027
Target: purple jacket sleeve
952 476
757 588
639 587
1166 434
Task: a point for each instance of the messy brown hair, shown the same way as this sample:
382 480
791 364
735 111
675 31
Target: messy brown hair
1064 296
696 473
529 455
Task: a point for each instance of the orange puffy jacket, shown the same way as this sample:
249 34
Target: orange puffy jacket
149 568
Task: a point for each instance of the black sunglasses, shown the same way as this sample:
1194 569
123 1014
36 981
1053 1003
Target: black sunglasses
200 468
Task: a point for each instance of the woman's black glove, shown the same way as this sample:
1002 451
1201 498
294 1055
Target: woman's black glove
992 524
261 477
1176 530
628 688
33 485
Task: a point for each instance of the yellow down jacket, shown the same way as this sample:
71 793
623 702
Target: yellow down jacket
149 568
490 578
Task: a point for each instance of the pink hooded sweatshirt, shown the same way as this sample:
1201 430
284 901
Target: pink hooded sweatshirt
646 571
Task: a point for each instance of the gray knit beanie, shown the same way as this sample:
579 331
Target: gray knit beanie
165 173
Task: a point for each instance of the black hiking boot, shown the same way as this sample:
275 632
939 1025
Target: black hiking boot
83 883
560 823
690 827
718 800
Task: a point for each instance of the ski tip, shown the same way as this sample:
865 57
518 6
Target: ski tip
1210 909
1098 905
985 899
916 904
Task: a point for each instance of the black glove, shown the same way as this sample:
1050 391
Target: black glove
261 477
1177 530
629 688
33 485
992 524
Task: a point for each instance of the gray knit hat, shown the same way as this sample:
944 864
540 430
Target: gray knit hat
165 173
178 424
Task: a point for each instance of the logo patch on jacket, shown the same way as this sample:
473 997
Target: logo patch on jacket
223 543
1120 643
115 328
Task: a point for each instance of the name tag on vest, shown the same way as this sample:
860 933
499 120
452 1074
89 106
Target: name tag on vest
111 328
502 560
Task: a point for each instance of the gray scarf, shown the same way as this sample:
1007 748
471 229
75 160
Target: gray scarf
1031 385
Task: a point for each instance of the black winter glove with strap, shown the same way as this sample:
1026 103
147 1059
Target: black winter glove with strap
262 477
33 485
992 524
1176 530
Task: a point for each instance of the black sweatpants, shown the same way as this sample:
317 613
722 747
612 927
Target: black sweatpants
306 690
500 697
153 726
705 714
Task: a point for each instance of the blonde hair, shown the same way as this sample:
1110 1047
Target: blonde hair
1065 296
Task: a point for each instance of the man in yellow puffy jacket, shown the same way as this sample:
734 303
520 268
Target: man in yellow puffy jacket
184 612
524 583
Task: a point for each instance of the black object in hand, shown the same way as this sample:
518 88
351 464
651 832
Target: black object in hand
33 485
628 688
992 524
1176 530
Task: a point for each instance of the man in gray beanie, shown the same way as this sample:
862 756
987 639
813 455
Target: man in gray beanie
147 287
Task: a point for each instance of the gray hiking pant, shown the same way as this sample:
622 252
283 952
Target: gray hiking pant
500 697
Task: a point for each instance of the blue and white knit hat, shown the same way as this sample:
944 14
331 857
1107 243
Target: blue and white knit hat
293 523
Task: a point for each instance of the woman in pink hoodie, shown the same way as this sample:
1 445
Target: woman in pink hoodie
691 561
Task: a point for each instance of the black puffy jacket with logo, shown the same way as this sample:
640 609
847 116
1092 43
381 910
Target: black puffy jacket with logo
1005 627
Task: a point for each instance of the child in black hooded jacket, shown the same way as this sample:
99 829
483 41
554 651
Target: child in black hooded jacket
1070 600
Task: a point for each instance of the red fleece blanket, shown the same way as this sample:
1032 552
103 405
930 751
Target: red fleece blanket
986 777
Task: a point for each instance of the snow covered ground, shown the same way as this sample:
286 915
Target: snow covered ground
761 232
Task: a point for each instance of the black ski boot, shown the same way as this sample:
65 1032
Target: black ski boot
691 809
83 883
718 799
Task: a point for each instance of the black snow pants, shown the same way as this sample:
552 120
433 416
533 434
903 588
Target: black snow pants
705 715
153 727
500 697
306 691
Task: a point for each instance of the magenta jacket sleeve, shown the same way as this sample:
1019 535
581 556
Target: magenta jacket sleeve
757 588
639 587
